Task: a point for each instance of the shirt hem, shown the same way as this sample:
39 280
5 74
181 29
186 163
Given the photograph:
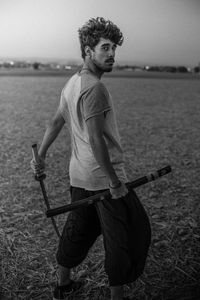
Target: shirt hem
103 186
82 185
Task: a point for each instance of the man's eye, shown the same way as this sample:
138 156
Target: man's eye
105 48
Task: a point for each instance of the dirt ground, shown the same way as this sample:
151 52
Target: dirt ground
159 122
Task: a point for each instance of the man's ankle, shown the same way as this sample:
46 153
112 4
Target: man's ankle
64 276
116 292
66 282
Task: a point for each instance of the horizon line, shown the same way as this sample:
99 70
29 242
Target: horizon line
80 60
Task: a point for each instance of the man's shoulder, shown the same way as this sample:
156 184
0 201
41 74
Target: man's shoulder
90 84
71 83
75 77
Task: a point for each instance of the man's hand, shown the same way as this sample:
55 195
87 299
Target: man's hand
38 167
118 191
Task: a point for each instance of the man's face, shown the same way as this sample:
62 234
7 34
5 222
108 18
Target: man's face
103 55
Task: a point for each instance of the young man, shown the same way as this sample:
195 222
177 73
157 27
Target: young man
97 164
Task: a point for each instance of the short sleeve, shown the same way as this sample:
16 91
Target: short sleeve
95 101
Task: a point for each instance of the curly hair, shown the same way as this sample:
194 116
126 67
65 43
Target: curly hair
94 29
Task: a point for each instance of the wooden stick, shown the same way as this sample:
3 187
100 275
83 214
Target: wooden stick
101 196
41 178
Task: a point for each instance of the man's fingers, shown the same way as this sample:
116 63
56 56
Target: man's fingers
37 169
119 192
37 166
119 195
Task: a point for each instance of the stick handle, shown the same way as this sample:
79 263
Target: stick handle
35 153
93 199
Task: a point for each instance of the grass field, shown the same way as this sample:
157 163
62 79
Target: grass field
159 121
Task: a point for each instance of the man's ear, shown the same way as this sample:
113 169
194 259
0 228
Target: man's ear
88 51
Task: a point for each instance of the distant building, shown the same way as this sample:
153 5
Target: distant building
67 67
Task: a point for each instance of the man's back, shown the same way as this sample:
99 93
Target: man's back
84 97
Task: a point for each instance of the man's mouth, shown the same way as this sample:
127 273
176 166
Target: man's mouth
110 61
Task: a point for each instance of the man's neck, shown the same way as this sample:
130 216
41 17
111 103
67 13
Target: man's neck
90 66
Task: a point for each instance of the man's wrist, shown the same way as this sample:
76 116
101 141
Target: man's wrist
115 185
42 154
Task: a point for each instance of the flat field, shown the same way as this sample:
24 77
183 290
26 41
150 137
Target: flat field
159 122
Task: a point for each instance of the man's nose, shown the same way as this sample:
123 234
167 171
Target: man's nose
111 53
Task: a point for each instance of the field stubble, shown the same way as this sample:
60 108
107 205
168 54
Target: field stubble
159 121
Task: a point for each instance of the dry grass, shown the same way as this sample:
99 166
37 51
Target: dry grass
160 124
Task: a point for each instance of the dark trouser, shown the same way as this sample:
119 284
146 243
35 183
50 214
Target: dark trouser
126 234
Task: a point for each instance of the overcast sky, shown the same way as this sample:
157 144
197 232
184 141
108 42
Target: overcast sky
155 31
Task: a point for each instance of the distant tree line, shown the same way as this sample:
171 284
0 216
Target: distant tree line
36 65
56 66
171 69
197 69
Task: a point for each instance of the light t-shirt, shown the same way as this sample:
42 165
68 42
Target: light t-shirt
83 97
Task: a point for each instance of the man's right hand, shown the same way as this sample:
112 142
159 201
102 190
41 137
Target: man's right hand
118 192
38 167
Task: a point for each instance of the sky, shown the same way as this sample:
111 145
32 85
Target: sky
155 31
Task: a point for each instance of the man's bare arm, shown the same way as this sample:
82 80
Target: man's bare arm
51 133
95 127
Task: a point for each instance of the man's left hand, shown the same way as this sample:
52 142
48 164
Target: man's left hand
118 192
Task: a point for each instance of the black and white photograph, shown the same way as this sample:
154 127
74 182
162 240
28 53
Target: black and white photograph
100 150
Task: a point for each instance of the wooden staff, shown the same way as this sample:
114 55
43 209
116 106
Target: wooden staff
101 196
41 178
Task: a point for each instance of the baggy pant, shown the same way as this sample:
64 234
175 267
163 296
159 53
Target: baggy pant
126 235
